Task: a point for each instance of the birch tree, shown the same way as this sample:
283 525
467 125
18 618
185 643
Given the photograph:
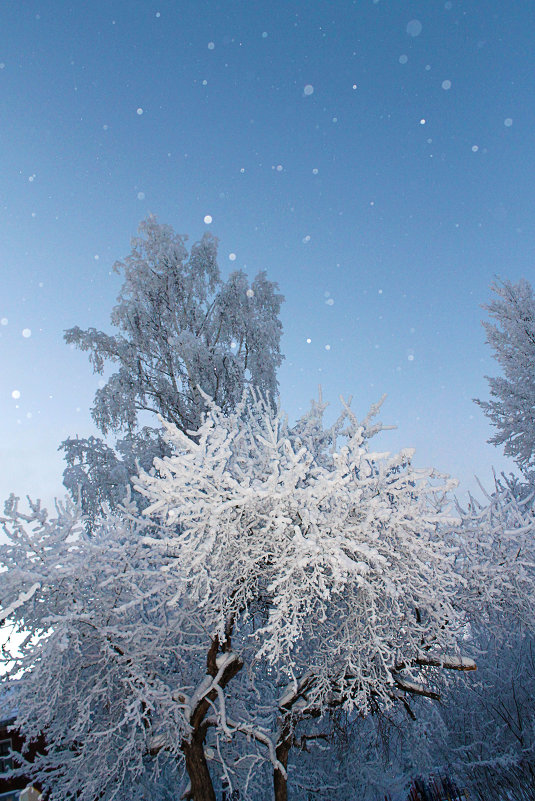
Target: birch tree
182 333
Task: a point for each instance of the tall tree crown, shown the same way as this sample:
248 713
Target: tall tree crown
183 331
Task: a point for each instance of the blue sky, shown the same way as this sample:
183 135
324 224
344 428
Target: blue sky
376 158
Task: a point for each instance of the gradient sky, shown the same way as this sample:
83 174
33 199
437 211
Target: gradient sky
376 158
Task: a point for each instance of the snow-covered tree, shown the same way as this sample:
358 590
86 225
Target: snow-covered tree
511 408
182 332
328 552
281 577
490 743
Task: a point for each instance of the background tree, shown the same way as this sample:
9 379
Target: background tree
183 333
490 743
487 740
487 737
512 406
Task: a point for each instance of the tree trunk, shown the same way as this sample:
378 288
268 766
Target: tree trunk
280 782
202 788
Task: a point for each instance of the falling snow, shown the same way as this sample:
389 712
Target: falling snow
414 27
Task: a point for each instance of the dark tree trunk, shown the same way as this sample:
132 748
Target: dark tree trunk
280 782
202 788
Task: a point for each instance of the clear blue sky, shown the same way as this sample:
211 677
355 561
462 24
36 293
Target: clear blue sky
376 158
